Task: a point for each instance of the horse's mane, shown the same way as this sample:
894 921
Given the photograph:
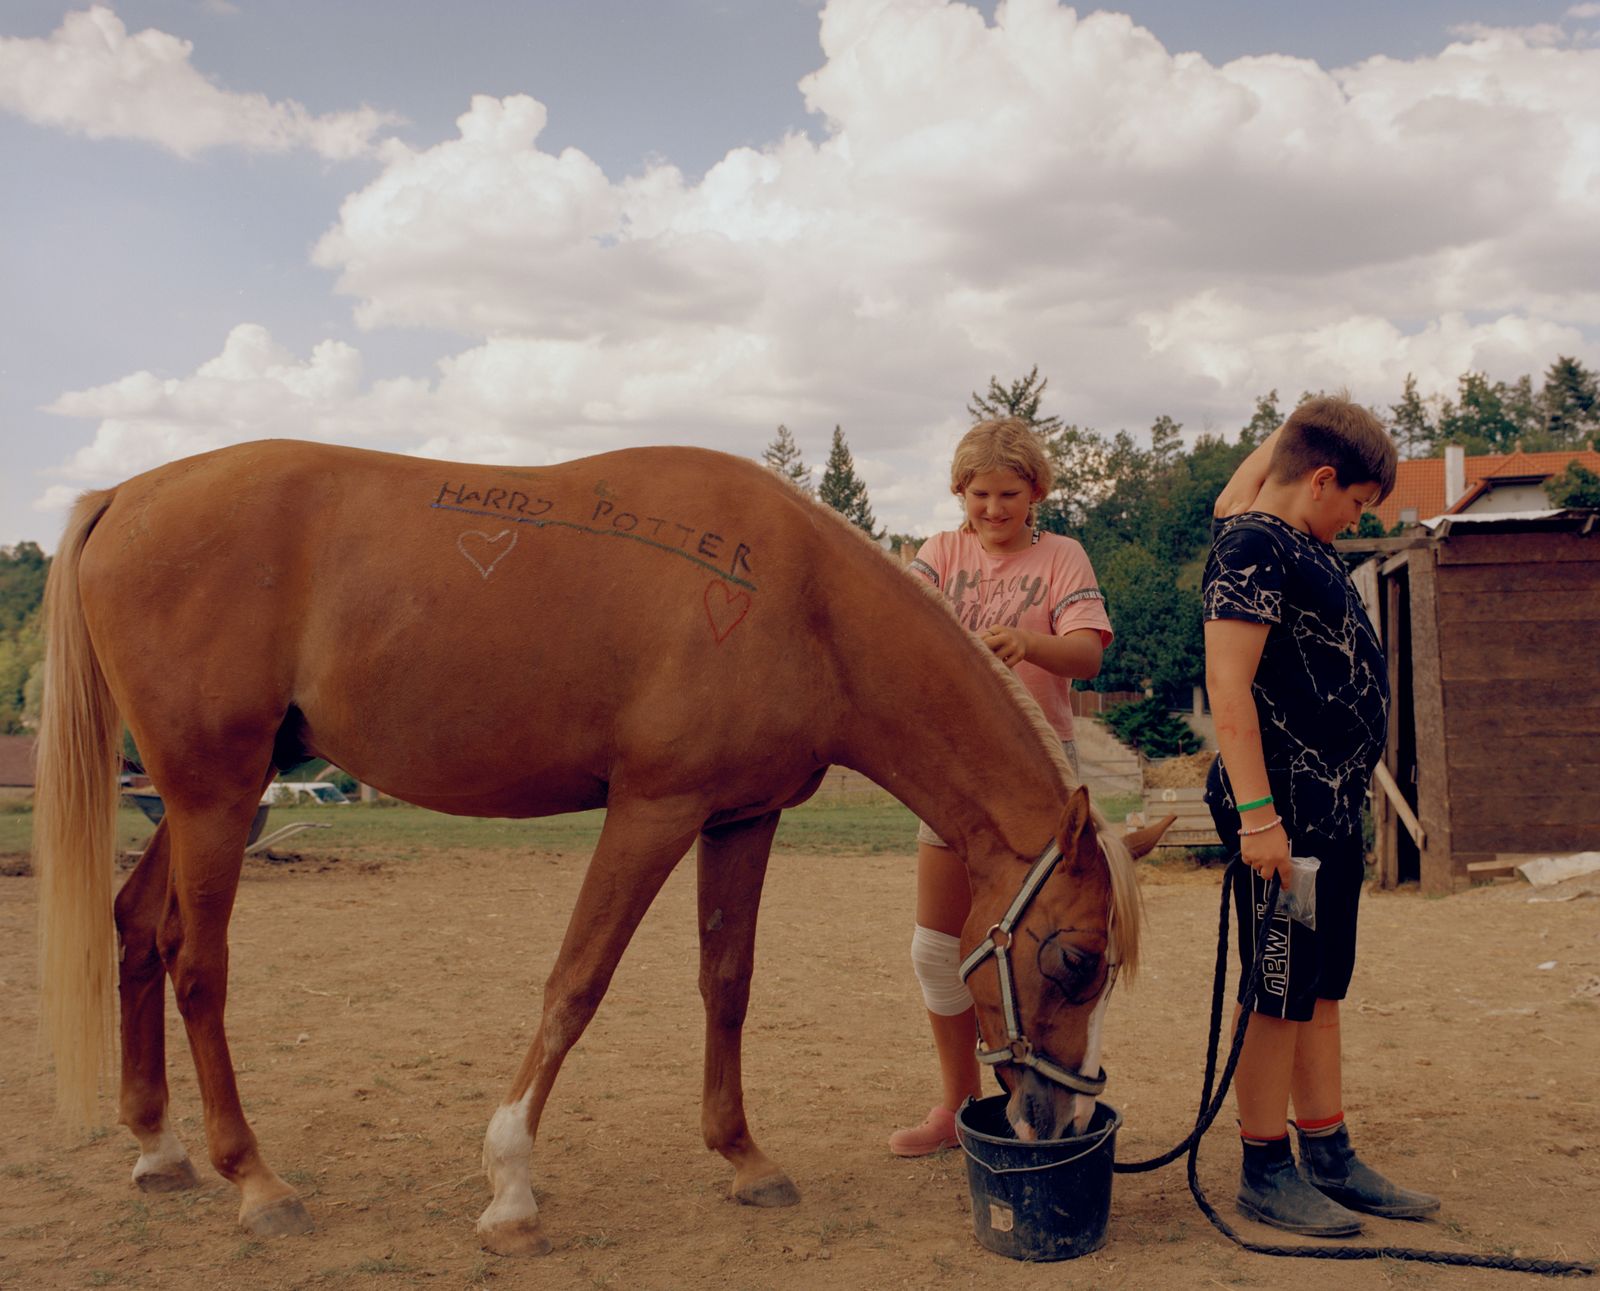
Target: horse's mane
1125 915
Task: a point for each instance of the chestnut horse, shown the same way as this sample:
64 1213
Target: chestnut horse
675 635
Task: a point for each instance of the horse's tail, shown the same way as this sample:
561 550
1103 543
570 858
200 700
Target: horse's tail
74 833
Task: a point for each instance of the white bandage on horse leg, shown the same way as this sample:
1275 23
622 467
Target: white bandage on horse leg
936 957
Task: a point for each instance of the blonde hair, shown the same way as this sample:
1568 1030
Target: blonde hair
1002 444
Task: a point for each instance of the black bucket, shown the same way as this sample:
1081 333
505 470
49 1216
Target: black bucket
1037 1201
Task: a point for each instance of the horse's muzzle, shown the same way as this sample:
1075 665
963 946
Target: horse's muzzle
1040 1109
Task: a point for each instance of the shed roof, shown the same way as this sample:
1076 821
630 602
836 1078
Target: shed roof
1582 520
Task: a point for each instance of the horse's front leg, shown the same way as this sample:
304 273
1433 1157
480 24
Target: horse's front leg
733 866
163 1164
638 847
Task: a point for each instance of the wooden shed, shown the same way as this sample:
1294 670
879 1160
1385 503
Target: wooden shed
16 766
1491 628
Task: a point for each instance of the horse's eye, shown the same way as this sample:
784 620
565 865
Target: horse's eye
1076 973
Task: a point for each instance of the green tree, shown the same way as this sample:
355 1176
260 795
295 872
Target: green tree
21 653
1368 526
1483 417
1166 444
1198 478
1577 486
1522 407
1413 429
783 456
1080 462
1152 728
1158 625
1263 421
22 574
1019 399
1569 402
842 489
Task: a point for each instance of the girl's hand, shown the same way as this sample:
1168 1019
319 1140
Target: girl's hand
1010 644
1268 854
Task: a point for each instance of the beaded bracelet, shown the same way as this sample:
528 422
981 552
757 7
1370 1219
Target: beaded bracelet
1259 802
1261 829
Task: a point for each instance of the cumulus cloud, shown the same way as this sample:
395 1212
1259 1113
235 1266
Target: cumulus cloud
91 77
1041 177
1158 234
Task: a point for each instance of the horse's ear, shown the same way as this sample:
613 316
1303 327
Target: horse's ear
1141 841
1074 819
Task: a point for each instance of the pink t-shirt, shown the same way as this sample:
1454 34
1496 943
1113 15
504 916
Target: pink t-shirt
1047 587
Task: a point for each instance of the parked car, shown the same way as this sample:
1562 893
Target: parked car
283 792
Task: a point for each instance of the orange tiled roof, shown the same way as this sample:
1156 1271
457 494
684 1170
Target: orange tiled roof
1420 483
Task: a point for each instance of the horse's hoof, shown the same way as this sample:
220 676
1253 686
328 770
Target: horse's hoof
773 1190
169 1178
516 1237
286 1217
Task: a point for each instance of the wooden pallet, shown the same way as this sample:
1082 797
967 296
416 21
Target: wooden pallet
1193 828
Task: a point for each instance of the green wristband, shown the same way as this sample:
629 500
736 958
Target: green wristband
1259 802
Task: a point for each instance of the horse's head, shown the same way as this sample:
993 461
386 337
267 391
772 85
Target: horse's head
1063 949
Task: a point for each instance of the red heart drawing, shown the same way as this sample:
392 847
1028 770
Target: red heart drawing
725 611
490 553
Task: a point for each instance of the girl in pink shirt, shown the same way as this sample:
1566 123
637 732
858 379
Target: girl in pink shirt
1033 599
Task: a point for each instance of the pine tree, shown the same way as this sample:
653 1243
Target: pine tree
841 488
1413 430
783 456
1570 402
1019 399
1263 421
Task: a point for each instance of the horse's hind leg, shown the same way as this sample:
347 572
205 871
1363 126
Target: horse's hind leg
733 866
207 855
163 1164
638 847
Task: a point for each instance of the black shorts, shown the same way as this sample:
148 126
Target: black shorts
1302 965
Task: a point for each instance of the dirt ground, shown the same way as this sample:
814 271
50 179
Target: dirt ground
378 1010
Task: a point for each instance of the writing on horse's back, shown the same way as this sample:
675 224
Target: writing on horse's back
417 595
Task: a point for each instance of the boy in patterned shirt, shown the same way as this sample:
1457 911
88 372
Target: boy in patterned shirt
1300 695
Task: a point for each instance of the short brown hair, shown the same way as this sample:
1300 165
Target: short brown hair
1330 430
1003 444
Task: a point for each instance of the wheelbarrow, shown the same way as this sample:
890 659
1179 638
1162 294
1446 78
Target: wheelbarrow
149 802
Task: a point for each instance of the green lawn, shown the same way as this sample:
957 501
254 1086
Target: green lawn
845 829
395 831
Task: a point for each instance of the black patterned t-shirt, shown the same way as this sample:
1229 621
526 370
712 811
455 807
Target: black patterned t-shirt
1321 690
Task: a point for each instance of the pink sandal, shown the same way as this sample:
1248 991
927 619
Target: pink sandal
935 1134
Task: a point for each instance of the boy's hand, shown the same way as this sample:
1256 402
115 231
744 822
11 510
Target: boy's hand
1009 644
1268 854
1240 492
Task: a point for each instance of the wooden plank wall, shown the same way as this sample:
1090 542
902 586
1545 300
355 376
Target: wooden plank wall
1386 822
1439 870
1519 670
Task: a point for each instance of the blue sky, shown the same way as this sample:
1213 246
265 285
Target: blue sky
685 222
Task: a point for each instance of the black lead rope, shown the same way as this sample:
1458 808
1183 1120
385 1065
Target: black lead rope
1209 1107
